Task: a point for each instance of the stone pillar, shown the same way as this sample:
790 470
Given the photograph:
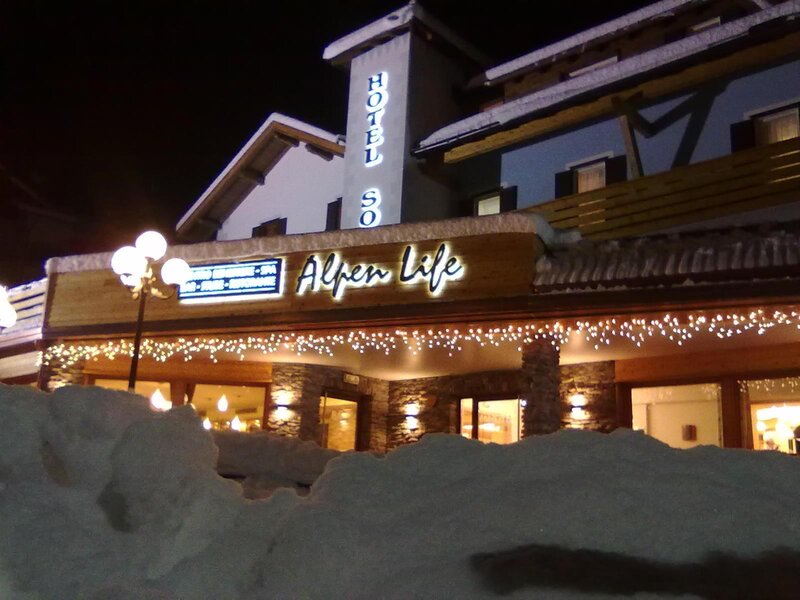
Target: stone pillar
595 381
541 379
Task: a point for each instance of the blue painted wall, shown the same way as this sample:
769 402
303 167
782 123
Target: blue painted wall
532 168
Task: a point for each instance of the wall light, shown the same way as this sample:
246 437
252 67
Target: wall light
283 398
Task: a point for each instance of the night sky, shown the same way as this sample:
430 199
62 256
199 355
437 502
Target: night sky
122 113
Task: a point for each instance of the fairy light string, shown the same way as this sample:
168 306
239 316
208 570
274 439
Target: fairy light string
679 330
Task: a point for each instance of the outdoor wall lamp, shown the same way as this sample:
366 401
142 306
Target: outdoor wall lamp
135 265
8 316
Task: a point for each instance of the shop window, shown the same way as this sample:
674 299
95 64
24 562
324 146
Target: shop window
271 228
236 407
773 408
338 423
495 202
158 392
767 127
591 174
682 416
333 219
495 421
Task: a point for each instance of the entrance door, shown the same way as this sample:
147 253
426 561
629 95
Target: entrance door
338 420
492 420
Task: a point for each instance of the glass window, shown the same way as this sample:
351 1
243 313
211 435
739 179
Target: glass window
489 206
777 126
156 391
773 407
682 416
499 421
237 407
590 177
338 423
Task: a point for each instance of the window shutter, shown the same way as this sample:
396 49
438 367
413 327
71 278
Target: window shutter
743 135
270 228
565 183
333 220
508 199
616 169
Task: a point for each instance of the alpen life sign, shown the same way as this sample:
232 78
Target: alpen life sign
320 273
335 275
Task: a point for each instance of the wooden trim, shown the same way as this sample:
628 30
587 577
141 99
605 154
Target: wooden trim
730 407
687 78
624 402
757 362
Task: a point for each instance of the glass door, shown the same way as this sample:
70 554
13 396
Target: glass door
773 406
338 423
498 421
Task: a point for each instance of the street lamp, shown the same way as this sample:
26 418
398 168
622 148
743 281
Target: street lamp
134 265
8 316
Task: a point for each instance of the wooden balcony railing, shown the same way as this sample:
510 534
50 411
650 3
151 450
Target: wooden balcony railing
751 179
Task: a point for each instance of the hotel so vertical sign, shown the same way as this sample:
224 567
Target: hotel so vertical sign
377 98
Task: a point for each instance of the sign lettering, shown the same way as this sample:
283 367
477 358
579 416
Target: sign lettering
235 281
377 97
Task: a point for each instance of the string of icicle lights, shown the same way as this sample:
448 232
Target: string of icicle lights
636 331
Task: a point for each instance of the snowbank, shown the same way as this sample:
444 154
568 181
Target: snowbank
265 461
101 498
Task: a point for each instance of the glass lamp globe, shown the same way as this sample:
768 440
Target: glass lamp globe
129 261
176 271
8 316
152 244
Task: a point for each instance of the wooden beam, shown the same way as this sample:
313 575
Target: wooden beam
687 78
631 147
757 361
251 174
731 410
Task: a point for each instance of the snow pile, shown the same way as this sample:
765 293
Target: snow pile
267 461
100 498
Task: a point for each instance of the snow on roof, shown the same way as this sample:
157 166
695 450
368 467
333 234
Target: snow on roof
209 252
633 19
274 118
527 106
394 22
676 259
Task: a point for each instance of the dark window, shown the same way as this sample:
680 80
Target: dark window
496 202
333 220
591 175
271 228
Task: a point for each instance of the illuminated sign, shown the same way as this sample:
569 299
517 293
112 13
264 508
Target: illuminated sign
370 208
260 279
335 275
377 97
235 281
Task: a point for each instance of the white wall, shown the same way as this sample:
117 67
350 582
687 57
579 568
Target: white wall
299 188
663 411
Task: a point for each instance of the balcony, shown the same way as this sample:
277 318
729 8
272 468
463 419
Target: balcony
752 179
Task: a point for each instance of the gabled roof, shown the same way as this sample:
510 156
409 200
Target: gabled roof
591 84
580 41
395 23
248 168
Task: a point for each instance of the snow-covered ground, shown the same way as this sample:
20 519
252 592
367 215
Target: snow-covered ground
101 498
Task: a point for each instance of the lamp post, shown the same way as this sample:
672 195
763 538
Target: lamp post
8 316
135 267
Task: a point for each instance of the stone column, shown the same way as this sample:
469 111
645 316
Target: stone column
541 379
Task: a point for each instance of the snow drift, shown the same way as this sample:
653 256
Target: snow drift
101 498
